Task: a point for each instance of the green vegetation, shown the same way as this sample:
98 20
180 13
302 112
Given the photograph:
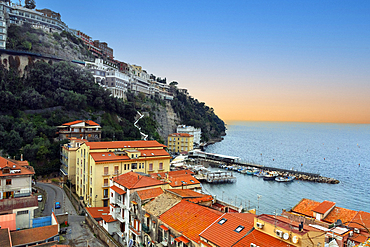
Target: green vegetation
197 114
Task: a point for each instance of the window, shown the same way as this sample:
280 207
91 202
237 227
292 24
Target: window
116 170
160 166
22 212
106 170
134 166
8 182
239 229
151 167
223 220
105 182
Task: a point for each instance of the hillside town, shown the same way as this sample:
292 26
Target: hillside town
127 193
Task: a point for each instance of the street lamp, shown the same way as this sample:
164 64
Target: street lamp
95 200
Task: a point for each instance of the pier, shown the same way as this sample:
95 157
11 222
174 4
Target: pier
216 160
217 177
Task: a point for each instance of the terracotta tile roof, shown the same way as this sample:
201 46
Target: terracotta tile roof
362 218
305 207
5 237
189 218
34 235
359 238
180 135
324 207
171 173
230 223
220 207
108 156
118 190
124 144
145 154
261 239
97 212
19 202
164 227
186 193
153 152
182 239
149 193
108 218
132 180
182 180
161 204
16 168
88 122
339 213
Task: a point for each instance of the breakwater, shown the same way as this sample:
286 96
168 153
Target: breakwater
215 160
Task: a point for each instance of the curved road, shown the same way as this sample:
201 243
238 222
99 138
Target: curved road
54 194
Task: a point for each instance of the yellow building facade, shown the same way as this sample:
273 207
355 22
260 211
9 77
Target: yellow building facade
180 142
97 162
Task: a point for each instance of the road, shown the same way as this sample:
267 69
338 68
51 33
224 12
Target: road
78 233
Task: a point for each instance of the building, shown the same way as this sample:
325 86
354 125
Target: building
181 179
68 158
343 226
129 191
16 191
82 129
11 13
118 83
196 132
180 142
97 162
103 46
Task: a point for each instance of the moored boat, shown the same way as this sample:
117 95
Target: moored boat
285 179
270 176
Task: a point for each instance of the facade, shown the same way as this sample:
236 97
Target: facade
16 191
180 142
196 132
97 162
82 129
129 191
103 46
11 13
118 83
181 179
68 158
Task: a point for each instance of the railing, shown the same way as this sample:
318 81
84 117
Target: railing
120 204
105 185
145 228
105 174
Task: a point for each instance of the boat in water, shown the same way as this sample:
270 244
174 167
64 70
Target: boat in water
252 171
285 179
270 176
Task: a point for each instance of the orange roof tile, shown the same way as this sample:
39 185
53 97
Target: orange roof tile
108 218
16 167
286 223
230 222
338 213
324 207
164 227
182 239
360 221
108 156
186 193
171 173
305 207
261 239
124 144
5 237
182 180
88 122
149 193
118 190
8 221
34 235
180 135
132 180
189 218
97 212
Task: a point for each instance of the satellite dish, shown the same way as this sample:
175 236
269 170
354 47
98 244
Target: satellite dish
286 236
295 239
338 223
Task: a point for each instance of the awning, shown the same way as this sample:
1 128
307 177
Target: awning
182 239
163 227
133 202
147 215
118 190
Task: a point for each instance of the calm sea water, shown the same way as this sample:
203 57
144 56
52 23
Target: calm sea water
340 151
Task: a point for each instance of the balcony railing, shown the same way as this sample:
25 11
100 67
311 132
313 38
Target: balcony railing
105 185
105 174
120 204
145 228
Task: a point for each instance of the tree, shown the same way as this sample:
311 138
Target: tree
30 4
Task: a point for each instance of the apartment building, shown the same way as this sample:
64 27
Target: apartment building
180 142
68 158
196 132
106 50
118 83
16 191
97 162
81 129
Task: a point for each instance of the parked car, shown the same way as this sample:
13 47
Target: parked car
57 205
39 198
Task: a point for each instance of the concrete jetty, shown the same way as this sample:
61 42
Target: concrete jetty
216 160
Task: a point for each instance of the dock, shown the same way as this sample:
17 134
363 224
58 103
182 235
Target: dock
217 159
217 177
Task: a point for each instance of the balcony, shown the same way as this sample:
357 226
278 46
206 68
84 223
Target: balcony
105 197
105 174
120 204
145 228
105 185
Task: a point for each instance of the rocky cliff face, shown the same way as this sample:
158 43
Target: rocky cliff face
167 120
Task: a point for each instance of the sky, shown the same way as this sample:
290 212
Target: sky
251 60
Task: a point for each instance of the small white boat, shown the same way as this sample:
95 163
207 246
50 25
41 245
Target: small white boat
285 179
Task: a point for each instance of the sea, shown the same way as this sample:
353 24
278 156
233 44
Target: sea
340 151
